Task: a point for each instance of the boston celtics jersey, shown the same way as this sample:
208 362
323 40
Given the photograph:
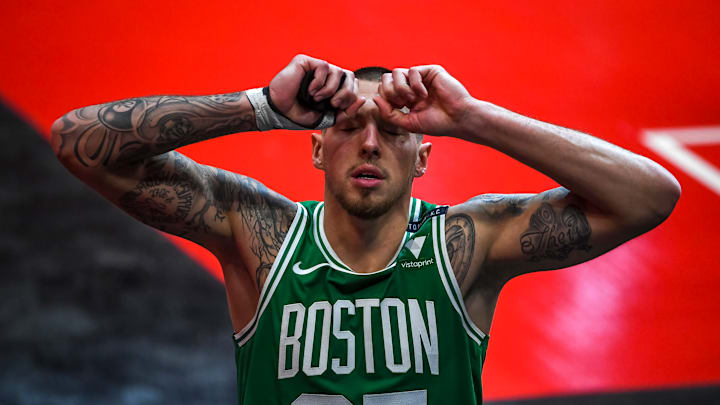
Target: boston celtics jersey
324 334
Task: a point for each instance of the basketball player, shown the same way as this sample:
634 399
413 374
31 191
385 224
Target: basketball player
372 296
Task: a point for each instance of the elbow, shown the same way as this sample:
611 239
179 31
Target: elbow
650 199
666 195
60 141
56 140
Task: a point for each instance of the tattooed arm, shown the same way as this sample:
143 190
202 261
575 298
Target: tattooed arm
494 237
505 235
614 194
124 150
610 195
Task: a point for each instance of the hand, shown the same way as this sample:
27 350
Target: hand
438 103
285 85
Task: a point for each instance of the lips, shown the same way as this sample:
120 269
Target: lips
367 171
367 176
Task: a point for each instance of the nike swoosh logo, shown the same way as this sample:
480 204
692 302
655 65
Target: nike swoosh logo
297 270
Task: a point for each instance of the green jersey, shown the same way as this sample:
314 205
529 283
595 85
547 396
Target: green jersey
324 334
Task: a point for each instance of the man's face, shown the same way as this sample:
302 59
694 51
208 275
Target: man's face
369 164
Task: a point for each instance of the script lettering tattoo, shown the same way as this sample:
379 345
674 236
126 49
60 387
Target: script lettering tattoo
128 131
175 195
460 241
553 235
160 200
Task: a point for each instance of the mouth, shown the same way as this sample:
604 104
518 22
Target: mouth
367 176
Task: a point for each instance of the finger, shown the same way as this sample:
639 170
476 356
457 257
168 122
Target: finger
343 99
393 116
341 117
347 95
331 84
416 82
359 102
387 90
353 109
321 69
402 88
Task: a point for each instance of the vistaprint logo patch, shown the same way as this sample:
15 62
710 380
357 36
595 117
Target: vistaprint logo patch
416 264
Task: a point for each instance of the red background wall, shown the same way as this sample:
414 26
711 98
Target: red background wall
644 315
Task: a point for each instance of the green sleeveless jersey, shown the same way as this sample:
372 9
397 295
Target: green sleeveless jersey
323 334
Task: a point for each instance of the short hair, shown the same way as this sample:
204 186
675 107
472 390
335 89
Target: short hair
371 73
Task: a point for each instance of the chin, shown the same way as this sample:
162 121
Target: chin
366 209
368 205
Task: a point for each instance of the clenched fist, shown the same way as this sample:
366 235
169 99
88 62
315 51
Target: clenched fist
438 103
285 85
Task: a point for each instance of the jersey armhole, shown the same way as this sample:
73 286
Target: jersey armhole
276 271
450 282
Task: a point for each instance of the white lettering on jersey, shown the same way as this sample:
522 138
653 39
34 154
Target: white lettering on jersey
343 335
308 368
292 341
417 264
423 332
366 304
390 363
420 335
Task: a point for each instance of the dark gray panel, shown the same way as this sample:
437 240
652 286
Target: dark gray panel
96 308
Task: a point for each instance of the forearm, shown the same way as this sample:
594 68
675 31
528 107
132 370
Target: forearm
127 131
610 178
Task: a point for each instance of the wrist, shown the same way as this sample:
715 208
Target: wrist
478 120
268 117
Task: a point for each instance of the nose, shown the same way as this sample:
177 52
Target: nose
370 145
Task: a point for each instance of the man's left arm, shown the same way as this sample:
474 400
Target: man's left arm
609 194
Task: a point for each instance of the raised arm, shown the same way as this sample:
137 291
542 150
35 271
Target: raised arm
609 194
124 150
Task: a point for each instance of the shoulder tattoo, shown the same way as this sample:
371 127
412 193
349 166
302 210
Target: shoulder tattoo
184 198
460 241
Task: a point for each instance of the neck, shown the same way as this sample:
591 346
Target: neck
366 245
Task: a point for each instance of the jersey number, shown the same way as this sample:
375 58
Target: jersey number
418 397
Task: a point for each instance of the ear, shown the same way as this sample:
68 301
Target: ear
422 160
317 151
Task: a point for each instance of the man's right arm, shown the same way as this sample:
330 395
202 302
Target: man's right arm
124 150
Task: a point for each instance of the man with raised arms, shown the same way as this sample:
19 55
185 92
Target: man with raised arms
371 296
